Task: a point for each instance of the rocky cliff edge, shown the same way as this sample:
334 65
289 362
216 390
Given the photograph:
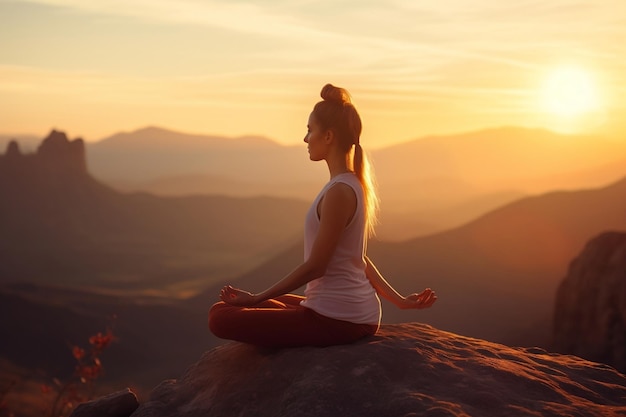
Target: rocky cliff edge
405 370
590 307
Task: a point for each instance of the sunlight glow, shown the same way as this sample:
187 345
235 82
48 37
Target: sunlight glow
569 92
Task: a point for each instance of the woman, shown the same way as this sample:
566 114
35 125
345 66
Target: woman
341 304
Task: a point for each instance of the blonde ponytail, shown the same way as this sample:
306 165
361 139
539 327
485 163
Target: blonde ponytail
365 173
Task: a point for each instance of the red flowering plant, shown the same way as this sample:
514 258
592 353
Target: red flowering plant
81 385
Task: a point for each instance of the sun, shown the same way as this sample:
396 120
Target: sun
569 92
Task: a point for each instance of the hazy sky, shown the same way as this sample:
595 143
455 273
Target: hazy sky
234 67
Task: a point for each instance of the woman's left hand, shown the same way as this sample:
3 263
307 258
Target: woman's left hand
424 299
237 297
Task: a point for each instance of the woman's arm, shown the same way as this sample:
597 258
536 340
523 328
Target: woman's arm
337 208
297 278
424 299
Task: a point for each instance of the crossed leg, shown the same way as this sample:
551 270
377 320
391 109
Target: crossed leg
282 322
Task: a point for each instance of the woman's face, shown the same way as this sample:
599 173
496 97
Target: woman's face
316 140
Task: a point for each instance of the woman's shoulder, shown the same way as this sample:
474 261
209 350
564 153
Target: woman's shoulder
347 185
349 179
341 188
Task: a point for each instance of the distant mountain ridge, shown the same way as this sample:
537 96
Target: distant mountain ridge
158 136
511 152
433 179
153 153
427 185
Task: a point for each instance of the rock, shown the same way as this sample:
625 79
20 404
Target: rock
405 370
590 308
11 160
13 150
58 153
56 157
119 404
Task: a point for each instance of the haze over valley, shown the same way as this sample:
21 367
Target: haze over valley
426 185
147 226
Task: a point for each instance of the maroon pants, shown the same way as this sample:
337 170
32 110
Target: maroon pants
283 322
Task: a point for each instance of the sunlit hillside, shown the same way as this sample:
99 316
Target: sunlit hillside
496 276
426 185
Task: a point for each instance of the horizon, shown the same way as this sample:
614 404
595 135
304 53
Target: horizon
40 137
247 68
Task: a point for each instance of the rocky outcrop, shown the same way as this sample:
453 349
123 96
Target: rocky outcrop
57 152
57 156
405 370
13 150
118 404
590 308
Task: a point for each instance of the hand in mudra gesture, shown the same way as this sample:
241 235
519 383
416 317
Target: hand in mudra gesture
420 300
237 297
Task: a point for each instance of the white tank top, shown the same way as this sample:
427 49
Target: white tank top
344 292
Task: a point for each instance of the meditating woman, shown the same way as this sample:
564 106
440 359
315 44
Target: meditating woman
340 303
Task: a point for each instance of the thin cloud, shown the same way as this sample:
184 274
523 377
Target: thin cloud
352 39
241 17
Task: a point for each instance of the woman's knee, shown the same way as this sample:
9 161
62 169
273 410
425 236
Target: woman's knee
217 322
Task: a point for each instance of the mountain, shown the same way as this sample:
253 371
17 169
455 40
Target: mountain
491 159
437 179
61 225
486 158
402 222
496 158
496 276
153 154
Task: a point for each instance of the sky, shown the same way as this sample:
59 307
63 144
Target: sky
232 67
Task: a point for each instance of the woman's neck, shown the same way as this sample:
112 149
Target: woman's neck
338 165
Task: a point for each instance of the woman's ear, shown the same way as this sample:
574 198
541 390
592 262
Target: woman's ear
329 136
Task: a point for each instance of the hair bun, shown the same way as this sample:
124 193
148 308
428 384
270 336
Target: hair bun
337 94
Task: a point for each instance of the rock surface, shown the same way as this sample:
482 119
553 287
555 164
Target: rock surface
590 308
117 404
406 370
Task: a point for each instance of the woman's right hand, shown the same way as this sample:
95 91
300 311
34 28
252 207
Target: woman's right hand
237 297
425 299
